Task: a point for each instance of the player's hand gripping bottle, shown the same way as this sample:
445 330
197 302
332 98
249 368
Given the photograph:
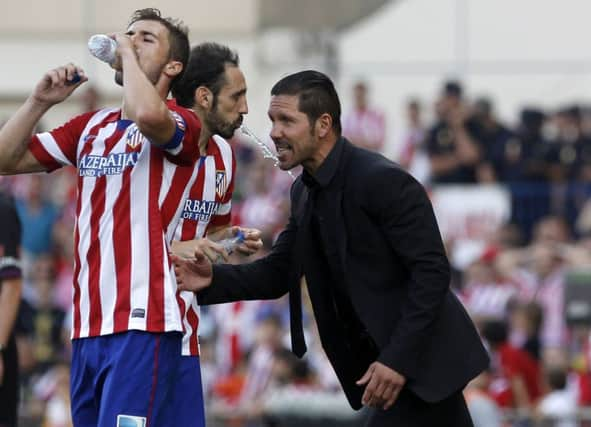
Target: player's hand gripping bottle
229 244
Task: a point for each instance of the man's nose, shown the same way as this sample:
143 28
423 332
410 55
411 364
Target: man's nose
275 132
244 107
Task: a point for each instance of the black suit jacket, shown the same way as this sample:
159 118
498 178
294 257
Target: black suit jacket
394 269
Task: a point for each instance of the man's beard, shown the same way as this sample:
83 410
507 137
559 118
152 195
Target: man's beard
218 126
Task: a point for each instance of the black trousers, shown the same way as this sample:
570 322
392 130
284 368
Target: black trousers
9 388
409 410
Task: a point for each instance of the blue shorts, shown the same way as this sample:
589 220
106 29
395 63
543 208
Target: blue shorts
189 394
125 380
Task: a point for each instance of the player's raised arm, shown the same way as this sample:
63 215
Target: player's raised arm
55 86
144 93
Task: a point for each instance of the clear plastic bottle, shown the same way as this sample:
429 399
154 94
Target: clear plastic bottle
230 243
103 47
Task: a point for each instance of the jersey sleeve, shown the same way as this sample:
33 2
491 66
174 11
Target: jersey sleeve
59 147
183 148
10 237
223 214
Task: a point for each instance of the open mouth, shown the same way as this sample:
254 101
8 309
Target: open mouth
282 148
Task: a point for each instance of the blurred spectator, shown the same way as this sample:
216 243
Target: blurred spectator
493 137
38 216
522 156
364 125
244 388
41 319
294 392
552 230
525 322
559 406
235 325
485 412
262 207
454 153
516 375
57 412
413 156
268 342
508 236
570 152
484 292
538 272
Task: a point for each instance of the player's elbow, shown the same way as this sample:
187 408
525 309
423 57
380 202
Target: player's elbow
151 121
7 165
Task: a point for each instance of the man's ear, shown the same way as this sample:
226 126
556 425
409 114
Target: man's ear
203 97
323 125
173 69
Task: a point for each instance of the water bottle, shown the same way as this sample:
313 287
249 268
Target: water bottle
230 244
103 47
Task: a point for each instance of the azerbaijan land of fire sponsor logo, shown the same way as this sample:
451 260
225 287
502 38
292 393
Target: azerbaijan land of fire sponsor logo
113 164
199 210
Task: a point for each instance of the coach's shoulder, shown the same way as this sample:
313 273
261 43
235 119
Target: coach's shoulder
370 167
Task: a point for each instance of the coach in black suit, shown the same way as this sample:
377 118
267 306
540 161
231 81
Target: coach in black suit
363 233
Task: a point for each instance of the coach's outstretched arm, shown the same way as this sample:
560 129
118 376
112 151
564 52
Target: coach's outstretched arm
15 135
266 278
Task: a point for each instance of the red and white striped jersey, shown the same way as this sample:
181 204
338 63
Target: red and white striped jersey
209 203
129 202
549 293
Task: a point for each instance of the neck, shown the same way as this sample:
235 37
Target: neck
205 133
324 148
203 140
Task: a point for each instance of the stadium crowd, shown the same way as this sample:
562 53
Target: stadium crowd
515 287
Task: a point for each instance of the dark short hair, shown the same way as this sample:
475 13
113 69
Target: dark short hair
495 332
206 67
556 377
178 33
453 88
317 95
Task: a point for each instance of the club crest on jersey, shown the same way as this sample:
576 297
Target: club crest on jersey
221 183
134 136
179 120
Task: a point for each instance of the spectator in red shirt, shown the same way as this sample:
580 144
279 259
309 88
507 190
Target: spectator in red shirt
516 374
